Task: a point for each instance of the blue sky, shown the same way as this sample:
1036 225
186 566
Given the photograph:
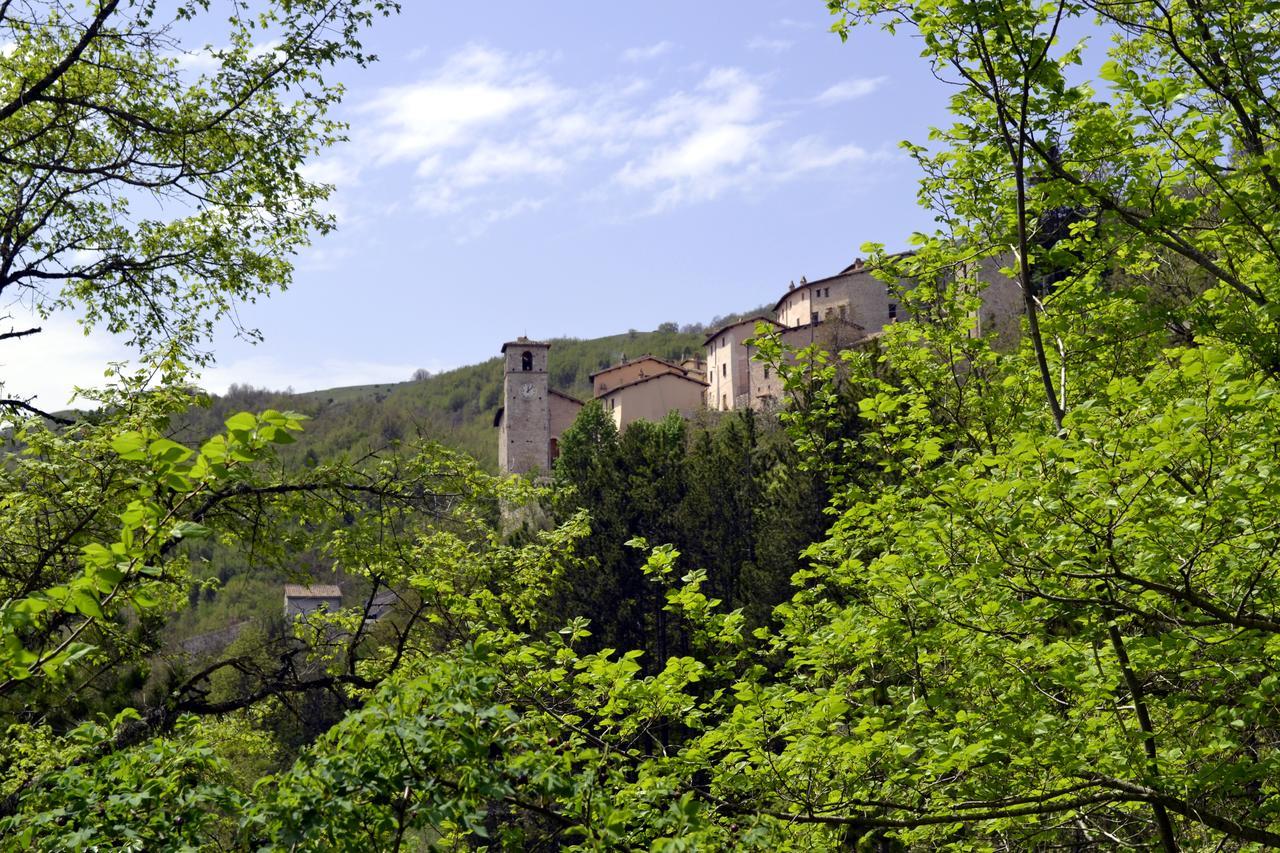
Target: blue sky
577 168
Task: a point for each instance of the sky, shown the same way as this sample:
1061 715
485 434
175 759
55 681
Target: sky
572 169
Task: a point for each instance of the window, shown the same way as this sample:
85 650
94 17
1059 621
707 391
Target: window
813 317
724 401
766 372
526 361
842 311
724 369
893 310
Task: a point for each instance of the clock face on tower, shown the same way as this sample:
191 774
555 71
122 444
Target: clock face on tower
526 390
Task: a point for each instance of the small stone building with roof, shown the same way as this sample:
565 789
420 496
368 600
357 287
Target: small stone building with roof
300 600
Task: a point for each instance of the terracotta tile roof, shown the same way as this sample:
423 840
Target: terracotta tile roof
561 394
329 590
855 268
497 416
760 318
635 382
637 359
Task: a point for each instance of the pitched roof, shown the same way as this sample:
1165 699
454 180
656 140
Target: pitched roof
497 416
637 359
569 397
853 269
324 590
522 341
759 318
635 382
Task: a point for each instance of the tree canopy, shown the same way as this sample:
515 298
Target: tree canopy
1041 610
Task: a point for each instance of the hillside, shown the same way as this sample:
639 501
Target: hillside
455 407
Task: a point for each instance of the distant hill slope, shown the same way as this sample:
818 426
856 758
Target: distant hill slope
455 407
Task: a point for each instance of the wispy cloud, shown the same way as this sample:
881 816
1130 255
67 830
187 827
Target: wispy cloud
848 90
714 137
48 365
770 45
476 88
487 131
644 54
266 371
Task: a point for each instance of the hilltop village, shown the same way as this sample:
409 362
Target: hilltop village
838 312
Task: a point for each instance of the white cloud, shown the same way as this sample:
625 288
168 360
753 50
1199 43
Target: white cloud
487 130
643 54
712 138
811 154
848 90
769 45
204 60
331 169
492 161
476 89
50 364
265 371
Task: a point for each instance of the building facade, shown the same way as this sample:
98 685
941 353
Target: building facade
631 370
729 364
843 311
533 415
653 398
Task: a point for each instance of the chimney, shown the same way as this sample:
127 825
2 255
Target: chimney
791 286
804 280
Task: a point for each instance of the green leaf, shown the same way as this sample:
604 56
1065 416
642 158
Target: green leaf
190 530
130 445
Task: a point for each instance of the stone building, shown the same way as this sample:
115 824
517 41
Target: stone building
629 371
854 295
302 601
1002 305
694 366
838 312
831 335
729 365
652 398
533 415
846 310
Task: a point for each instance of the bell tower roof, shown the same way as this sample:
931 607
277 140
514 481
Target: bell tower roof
522 341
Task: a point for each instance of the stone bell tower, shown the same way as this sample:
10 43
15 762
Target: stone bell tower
524 428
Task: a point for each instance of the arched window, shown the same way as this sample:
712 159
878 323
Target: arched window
526 361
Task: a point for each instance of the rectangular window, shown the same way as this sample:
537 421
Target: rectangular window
724 369
724 401
893 310
766 373
813 318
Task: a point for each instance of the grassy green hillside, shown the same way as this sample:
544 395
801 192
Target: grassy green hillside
455 407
